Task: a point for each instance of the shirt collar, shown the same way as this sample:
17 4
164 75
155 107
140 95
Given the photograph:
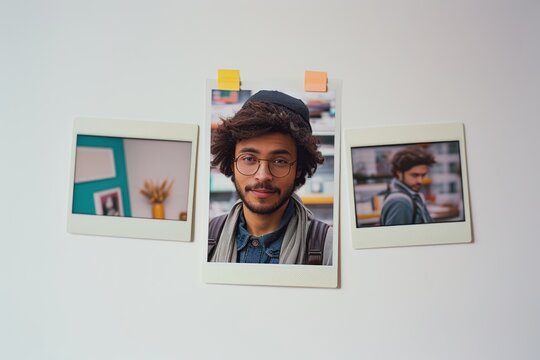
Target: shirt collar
400 186
267 239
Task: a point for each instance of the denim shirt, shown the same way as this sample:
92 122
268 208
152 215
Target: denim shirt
265 248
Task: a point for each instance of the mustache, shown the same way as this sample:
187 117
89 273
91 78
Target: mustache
262 186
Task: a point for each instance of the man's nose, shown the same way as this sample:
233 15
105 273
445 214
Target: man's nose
263 173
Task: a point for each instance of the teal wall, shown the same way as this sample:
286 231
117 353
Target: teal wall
83 193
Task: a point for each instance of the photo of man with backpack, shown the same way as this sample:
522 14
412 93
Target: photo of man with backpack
404 204
268 150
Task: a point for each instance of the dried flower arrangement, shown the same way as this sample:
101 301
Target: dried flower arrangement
157 193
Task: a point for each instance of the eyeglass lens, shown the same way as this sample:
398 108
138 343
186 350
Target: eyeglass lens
249 165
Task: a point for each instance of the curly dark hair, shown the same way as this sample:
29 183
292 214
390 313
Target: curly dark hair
411 156
257 118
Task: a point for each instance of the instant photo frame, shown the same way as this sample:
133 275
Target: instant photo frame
456 230
328 127
103 164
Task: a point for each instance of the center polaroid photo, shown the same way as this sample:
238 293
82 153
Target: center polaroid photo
273 211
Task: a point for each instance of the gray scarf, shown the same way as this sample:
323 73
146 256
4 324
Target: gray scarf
293 247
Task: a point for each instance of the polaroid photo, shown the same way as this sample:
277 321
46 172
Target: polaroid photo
273 211
408 185
132 179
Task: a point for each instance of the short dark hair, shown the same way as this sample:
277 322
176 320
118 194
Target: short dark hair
410 156
257 118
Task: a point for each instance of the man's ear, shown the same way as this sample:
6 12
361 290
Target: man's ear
399 175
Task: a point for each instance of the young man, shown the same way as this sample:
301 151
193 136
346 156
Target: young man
404 204
267 149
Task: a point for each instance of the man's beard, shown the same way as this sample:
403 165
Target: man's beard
264 209
415 188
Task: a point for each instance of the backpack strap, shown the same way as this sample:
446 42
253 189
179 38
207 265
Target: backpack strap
408 197
413 210
214 231
315 242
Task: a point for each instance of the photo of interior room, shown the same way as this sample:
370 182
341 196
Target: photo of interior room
120 177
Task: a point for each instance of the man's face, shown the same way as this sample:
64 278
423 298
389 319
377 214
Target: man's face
413 177
262 192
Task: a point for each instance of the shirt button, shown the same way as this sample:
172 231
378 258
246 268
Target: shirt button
255 242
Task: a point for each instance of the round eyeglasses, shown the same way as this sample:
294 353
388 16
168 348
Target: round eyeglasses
248 165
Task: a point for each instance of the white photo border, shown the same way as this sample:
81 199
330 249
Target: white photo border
322 276
141 228
407 235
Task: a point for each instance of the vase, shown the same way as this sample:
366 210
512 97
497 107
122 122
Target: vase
158 211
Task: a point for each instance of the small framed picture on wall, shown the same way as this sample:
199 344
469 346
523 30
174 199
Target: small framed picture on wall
109 202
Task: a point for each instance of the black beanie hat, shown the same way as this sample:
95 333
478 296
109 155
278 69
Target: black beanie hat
278 98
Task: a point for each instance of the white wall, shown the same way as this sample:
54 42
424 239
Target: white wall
157 161
66 296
